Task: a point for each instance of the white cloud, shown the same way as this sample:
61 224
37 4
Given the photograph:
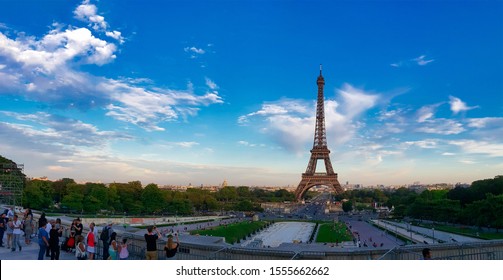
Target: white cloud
425 144
211 84
53 130
116 35
421 61
291 122
459 106
186 144
194 52
88 13
47 70
441 126
426 112
56 49
146 108
479 147
485 122
248 144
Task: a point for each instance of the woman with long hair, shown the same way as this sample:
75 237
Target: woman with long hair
112 248
123 250
171 247
91 241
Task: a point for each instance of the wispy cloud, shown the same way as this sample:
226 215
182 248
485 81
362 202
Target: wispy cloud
55 130
194 52
420 60
248 144
290 123
211 84
492 149
427 112
459 106
186 144
425 144
47 70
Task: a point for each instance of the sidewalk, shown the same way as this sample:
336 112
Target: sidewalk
29 252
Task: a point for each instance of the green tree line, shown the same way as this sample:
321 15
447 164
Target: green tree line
481 204
133 198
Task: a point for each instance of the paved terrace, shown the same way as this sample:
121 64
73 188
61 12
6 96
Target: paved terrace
206 247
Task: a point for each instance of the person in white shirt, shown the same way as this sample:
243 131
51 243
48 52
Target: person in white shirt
17 233
10 213
48 228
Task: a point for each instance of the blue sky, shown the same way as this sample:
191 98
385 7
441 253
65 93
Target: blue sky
179 92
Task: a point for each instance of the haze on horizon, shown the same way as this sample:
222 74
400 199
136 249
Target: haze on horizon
205 91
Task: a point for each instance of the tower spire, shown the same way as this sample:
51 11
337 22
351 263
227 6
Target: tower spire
321 68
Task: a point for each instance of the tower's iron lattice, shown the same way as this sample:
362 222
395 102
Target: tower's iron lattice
320 151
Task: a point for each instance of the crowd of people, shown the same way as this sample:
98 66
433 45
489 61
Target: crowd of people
14 227
54 238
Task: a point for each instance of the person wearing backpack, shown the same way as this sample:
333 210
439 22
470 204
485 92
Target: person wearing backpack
105 239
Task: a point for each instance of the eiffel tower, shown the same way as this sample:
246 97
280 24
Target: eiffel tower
320 151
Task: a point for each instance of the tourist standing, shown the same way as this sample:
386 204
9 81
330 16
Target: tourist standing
17 224
106 233
9 231
78 227
72 239
113 248
43 240
123 250
10 213
91 241
80 249
2 228
54 235
28 228
151 239
48 228
42 219
171 247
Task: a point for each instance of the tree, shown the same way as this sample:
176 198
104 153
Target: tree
60 188
227 194
347 206
38 194
152 199
130 197
74 200
243 192
96 197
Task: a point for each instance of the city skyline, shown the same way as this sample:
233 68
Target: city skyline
200 92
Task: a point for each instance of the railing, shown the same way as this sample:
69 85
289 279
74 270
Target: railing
483 250
486 250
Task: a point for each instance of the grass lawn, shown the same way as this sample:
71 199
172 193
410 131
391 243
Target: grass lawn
330 233
234 232
467 231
